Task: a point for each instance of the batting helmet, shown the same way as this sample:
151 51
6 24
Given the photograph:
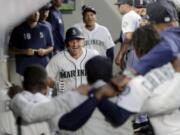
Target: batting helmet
74 33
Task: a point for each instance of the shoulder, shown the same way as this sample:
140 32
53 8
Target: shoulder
92 52
58 56
131 16
101 28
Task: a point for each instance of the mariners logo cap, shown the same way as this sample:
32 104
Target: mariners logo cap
161 12
74 33
119 2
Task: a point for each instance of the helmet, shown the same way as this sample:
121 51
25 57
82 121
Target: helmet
74 33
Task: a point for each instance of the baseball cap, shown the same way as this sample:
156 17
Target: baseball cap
161 12
74 33
139 3
119 2
87 8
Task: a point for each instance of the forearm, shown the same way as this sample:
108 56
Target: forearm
17 51
114 114
48 50
76 118
110 53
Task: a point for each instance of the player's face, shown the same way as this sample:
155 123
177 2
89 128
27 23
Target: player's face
57 3
34 17
75 47
89 18
44 14
122 8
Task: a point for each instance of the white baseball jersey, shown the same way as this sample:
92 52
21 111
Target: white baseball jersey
130 22
99 38
67 71
96 125
140 88
36 128
162 103
7 119
163 107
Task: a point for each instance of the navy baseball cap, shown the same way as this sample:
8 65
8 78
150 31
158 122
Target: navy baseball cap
119 2
73 33
161 12
87 8
139 3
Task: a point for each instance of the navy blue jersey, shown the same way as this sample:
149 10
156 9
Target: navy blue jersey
166 50
24 37
56 20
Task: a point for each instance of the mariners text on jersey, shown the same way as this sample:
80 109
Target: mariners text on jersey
72 73
94 42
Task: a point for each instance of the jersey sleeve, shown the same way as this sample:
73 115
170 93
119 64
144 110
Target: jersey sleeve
49 37
156 57
37 112
129 24
52 68
134 95
109 43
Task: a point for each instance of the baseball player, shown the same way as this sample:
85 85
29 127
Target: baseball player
7 119
64 103
130 22
97 36
35 85
31 42
56 20
67 67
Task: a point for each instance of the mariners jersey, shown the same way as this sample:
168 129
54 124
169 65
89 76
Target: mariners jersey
163 108
7 119
68 72
140 88
36 128
130 22
96 125
99 38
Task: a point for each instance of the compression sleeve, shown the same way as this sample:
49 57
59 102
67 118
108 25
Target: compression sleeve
115 114
78 116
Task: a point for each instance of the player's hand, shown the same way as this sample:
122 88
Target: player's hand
119 60
13 90
50 82
41 52
29 52
83 89
106 91
119 82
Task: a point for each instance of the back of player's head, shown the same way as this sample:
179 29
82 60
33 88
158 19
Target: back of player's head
161 12
35 78
73 33
144 39
97 68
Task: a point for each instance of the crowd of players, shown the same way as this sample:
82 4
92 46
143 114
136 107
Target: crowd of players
67 82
